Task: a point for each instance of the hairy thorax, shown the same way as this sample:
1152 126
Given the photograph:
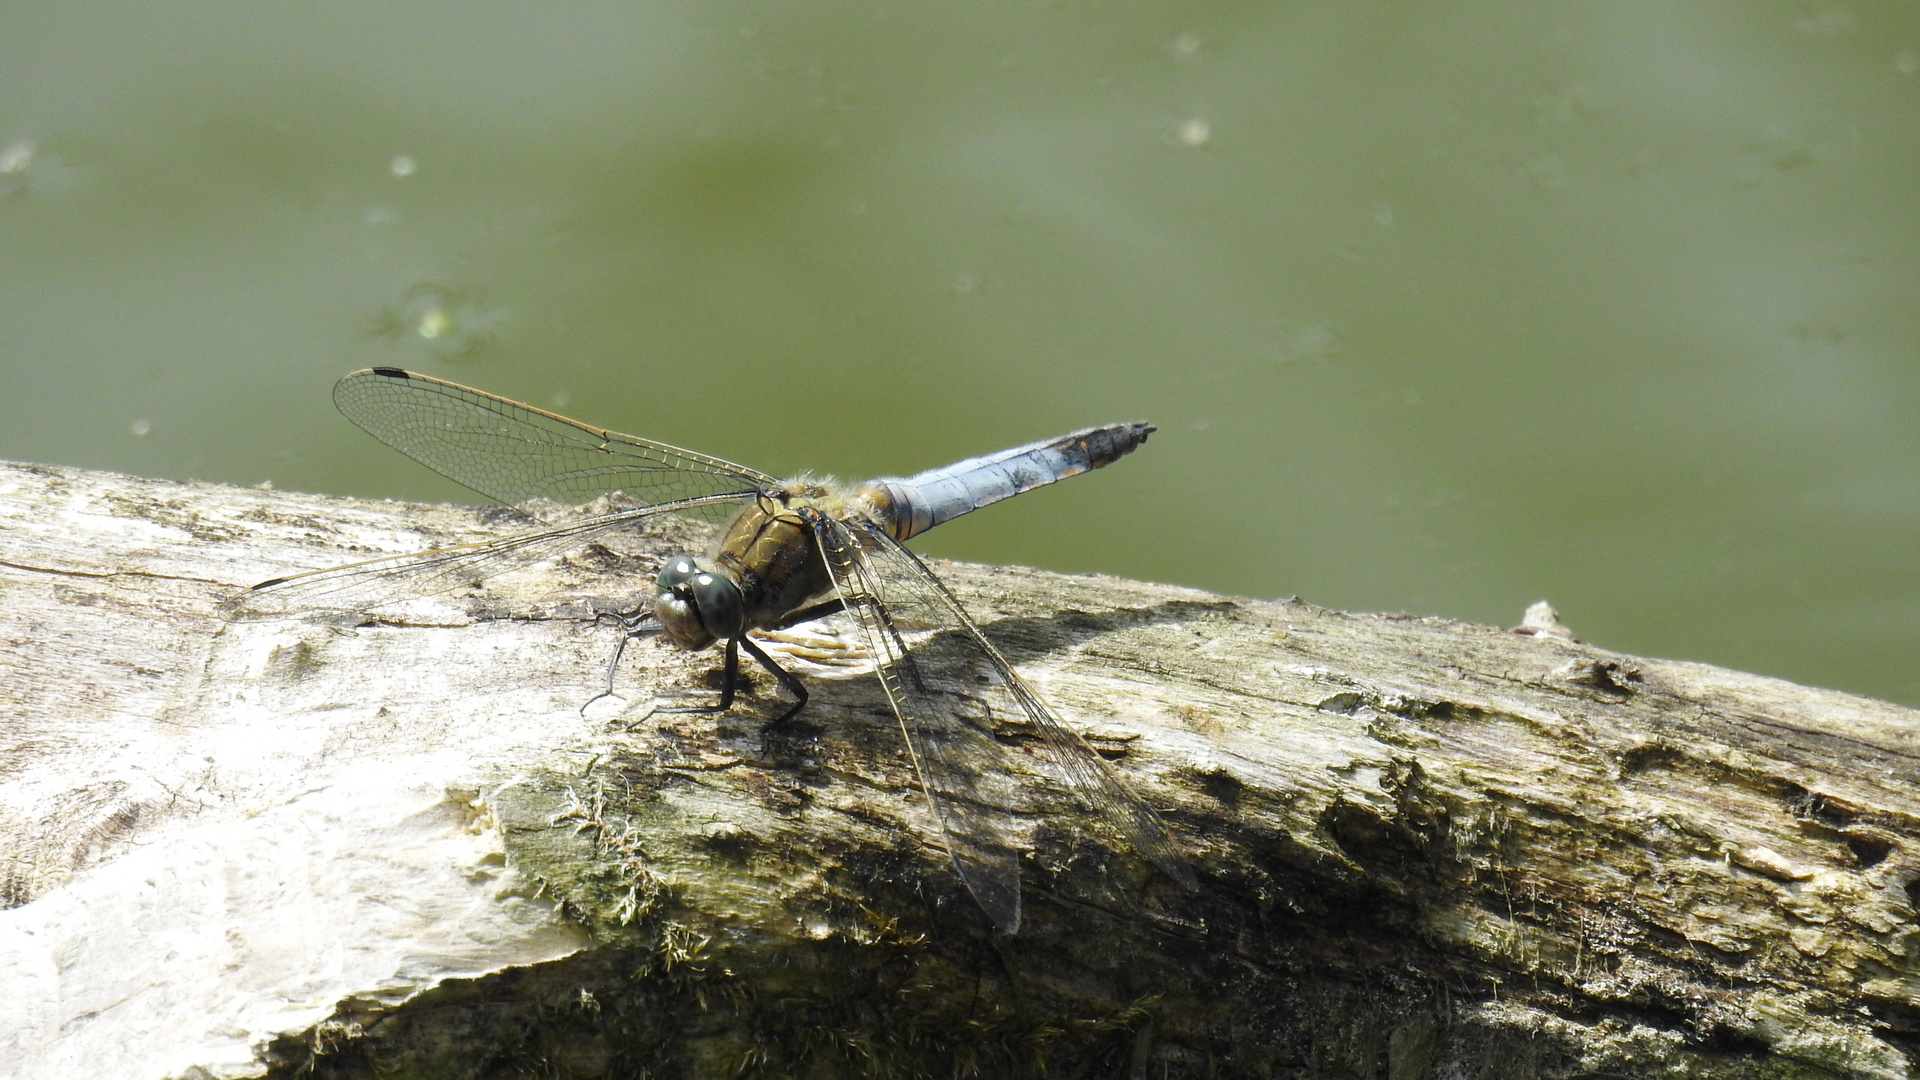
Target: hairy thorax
770 551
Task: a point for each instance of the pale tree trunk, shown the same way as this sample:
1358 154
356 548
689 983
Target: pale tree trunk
1426 849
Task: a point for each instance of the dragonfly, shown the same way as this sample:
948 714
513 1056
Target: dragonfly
788 551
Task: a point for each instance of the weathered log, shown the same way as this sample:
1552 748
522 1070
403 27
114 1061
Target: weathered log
1426 848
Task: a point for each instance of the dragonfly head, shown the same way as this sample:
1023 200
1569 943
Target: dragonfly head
696 603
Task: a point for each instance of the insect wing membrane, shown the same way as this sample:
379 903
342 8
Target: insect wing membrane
934 681
513 452
361 586
950 686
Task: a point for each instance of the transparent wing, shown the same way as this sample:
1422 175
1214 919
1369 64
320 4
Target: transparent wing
362 586
949 686
513 452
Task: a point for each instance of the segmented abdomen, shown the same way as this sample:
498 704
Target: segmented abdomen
912 505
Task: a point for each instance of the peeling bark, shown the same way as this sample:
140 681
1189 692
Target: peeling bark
1426 848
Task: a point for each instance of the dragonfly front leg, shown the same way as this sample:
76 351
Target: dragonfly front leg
730 674
631 622
729 678
787 679
817 611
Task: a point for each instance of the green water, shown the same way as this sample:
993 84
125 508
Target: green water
1440 308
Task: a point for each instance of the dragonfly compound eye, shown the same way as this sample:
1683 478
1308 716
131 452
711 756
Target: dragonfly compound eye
717 599
695 604
679 570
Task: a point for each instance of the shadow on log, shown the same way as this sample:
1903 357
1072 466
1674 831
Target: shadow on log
1426 849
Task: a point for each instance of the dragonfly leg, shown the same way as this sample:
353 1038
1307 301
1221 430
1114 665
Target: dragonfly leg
787 679
729 678
817 611
631 622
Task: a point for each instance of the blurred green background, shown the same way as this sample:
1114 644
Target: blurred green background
1440 308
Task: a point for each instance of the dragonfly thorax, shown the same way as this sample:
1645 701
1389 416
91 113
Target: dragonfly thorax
696 603
768 550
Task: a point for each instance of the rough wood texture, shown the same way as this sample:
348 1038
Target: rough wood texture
1426 848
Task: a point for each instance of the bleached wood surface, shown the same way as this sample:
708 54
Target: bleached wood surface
1427 848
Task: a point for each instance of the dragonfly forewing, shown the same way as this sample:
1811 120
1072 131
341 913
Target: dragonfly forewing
512 452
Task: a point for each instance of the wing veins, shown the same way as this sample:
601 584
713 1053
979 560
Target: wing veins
511 451
1091 776
860 563
987 862
394 578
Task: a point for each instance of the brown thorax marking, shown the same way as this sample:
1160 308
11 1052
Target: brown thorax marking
770 552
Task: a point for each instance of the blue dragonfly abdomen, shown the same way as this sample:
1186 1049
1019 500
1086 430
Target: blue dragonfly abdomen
911 505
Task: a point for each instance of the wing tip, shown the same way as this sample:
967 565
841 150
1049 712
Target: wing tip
1000 903
1176 866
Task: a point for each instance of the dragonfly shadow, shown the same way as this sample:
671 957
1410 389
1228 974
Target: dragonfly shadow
864 721
1023 639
